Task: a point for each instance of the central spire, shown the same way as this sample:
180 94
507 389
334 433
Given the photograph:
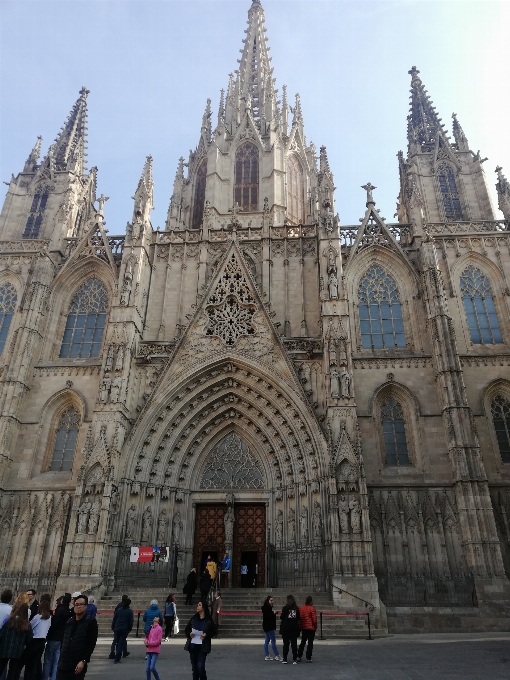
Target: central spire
423 121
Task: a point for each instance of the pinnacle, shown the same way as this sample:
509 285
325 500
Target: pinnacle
423 121
70 145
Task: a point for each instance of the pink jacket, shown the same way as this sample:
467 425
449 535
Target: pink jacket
154 637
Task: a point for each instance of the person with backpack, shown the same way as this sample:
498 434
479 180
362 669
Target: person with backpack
199 631
15 635
80 637
149 615
55 637
289 628
308 625
269 628
152 643
122 625
170 616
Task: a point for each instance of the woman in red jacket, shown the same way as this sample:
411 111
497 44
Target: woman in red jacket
308 625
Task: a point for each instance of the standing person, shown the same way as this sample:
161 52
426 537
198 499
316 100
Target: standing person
5 606
15 635
190 586
244 576
211 568
152 643
199 631
91 608
122 625
80 637
269 627
216 612
205 585
170 614
114 641
149 615
225 569
33 604
308 625
31 658
290 628
55 636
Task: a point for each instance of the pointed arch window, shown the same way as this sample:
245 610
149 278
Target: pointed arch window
199 199
86 320
246 188
481 315
36 215
8 299
295 190
500 410
449 193
65 440
380 311
394 433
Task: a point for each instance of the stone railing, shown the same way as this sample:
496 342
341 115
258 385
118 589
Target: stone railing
401 232
158 348
116 244
482 226
25 246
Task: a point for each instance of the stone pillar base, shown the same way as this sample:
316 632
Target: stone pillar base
493 600
89 585
356 590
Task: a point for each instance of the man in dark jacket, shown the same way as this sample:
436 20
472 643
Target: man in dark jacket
122 625
55 637
115 636
33 604
80 637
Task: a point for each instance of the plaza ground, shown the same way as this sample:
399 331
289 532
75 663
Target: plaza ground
398 657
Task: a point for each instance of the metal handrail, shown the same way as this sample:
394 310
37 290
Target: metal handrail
367 604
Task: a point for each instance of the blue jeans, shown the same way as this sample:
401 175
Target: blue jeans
121 643
270 637
197 657
152 657
51 657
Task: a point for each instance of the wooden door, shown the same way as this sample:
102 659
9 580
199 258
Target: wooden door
249 535
209 532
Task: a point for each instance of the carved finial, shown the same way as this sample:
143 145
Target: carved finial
369 188
234 222
503 189
84 92
101 200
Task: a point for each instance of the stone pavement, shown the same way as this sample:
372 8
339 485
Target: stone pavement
401 657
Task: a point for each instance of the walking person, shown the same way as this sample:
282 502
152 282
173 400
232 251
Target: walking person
15 635
308 625
290 628
199 632
205 586
55 636
190 586
91 608
122 625
149 615
32 655
269 627
170 615
152 643
80 637
113 646
216 612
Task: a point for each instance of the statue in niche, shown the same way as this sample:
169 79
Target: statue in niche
162 524
343 511
291 526
177 527
317 522
332 346
114 509
335 383
83 516
131 522
104 390
147 523
333 287
355 509
342 351
119 362
126 292
116 387
137 227
279 527
229 525
109 359
95 514
303 525
345 384
331 261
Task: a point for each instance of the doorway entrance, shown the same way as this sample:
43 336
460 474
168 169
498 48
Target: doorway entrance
249 568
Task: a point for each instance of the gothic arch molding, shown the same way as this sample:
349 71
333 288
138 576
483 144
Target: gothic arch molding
495 388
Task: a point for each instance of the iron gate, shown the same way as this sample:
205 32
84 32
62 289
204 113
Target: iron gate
139 574
297 567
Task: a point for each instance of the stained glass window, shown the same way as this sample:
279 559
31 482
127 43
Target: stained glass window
65 440
448 187
8 299
35 217
295 190
199 200
481 315
380 311
86 319
246 189
500 410
394 433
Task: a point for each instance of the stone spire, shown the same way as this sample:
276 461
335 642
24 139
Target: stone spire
145 190
32 159
458 133
206 123
423 122
298 113
221 108
285 112
324 169
69 150
503 189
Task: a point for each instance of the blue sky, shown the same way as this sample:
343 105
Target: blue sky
150 67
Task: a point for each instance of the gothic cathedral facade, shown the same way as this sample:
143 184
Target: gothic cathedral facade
257 377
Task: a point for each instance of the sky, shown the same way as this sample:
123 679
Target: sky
151 65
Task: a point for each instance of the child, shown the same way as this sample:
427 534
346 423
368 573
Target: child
153 645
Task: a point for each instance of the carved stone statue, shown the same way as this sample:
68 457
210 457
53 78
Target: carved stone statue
147 523
177 527
114 509
126 292
303 525
104 390
343 512
317 522
131 522
342 351
116 387
109 359
355 509
119 362
95 514
335 383
333 287
279 528
332 346
331 261
345 384
291 526
162 524
229 525
83 516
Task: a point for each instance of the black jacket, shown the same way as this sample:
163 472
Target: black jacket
58 623
191 583
207 629
79 642
268 618
205 583
33 609
123 619
290 621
